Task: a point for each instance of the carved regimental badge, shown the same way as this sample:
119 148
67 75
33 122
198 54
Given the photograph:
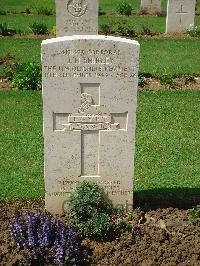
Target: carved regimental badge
77 8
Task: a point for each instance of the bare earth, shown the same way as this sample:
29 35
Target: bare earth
167 237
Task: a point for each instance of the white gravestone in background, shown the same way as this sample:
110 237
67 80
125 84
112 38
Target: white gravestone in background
89 96
180 15
76 17
151 6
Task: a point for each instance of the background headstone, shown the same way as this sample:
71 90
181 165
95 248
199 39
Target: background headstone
76 17
180 15
151 6
89 96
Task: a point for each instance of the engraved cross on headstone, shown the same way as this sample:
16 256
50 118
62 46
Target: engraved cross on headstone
90 119
181 13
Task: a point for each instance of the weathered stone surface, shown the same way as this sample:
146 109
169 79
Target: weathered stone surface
76 17
180 15
89 97
151 6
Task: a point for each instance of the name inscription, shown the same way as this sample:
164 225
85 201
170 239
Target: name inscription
90 63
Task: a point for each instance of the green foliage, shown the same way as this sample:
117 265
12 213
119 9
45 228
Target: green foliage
27 10
2 12
147 31
5 30
106 29
24 76
125 8
194 31
126 31
11 11
10 66
195 216
89 212
141 80
39 28
53 31
101 12
122 224
189 78
28 77
45 11
167 80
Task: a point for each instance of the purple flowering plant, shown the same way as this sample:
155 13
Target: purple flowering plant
46 239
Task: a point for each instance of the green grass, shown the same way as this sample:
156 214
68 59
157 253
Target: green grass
20 5
26 50
156 24
106 5
21 150
22 23
168 143
172 57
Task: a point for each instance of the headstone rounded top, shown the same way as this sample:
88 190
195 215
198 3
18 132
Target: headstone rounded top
89 37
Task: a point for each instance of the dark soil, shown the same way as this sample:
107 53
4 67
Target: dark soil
160 237
178 84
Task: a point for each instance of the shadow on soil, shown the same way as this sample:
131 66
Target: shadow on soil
182 198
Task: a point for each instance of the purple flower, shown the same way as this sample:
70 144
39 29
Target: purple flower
32 230
17 232
46 238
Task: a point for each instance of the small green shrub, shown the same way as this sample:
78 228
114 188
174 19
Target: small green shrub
11 11
167 80
5 30
27 10
88 210
195 216
10 65
39 28
2 12
106 29
53 31
24 76
141 80
147 31
122 225
125 9
189 78
126 31
101 13
28 77
45 11
194 31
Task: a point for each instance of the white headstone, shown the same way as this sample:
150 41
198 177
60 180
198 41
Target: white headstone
89 96
151 6
76 17
180 15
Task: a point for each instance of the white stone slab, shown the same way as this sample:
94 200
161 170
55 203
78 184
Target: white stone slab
76 17
89 97
151 6
180 15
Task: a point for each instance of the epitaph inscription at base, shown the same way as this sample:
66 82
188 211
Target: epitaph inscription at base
89 96
76 17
